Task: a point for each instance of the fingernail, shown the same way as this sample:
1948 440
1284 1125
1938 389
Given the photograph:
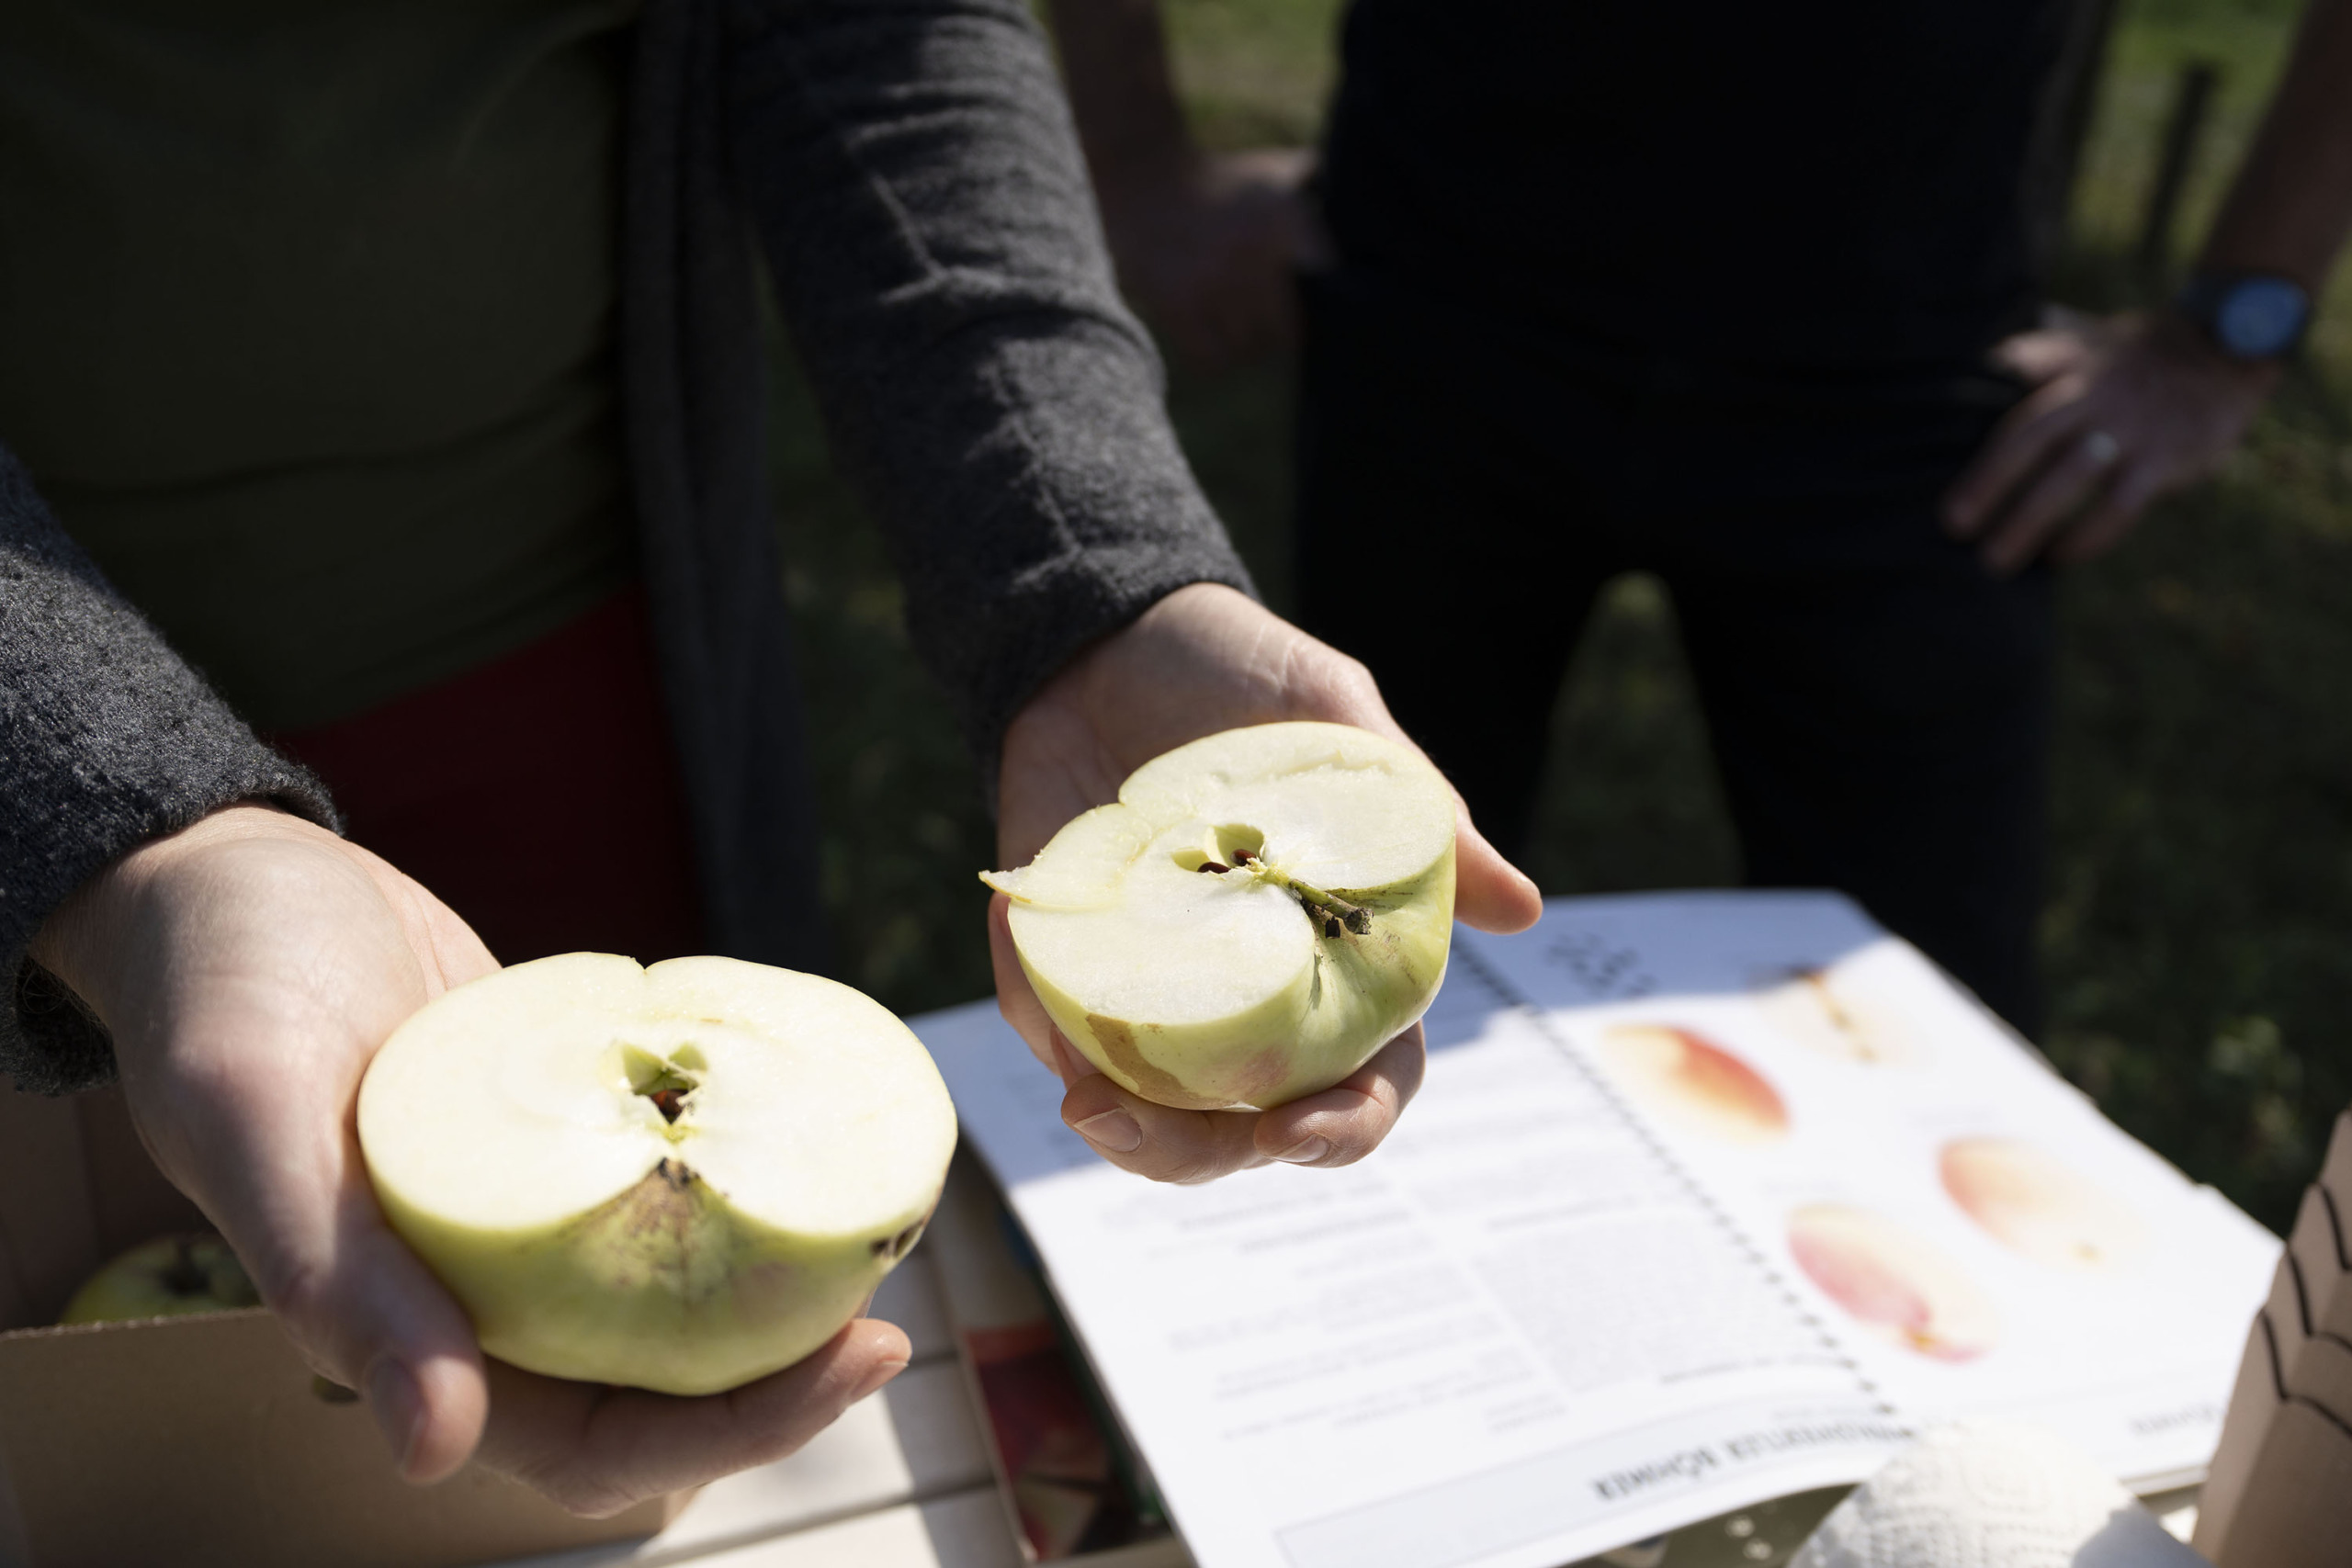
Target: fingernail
1112 1130
1307 1151
398 1406
880 1373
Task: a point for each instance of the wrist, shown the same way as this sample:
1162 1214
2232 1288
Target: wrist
2249 316
2186 344
82 940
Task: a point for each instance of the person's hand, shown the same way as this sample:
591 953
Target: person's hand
2122 411
1208 253
248 968
1203 660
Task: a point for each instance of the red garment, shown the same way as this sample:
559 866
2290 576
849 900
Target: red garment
536 795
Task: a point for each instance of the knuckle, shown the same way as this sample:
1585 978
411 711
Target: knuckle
302 1296
1191 1171
585 1499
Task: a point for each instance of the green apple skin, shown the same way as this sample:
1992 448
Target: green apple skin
660 1289
1303 1039
172 1276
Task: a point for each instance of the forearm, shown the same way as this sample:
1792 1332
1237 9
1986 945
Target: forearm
107 739
913 174
2291 206
1123 91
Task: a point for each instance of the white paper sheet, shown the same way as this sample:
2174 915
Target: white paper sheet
1545 1320
2115 1314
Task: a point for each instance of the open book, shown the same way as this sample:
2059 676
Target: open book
1707 1199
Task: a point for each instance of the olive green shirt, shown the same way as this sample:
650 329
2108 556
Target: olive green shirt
307 323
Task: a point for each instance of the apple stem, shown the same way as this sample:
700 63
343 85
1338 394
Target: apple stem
1333 913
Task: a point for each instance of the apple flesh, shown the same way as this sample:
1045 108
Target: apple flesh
680 1179
171 1277
1257 914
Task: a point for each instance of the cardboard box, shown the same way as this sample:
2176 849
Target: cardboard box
2279 1492
196 1440
2315 1367
2335 1172
2318 1266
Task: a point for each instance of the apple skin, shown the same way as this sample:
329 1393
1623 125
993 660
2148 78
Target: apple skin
663 1288
1301 1040
1695 1084
174 1275
1891 1283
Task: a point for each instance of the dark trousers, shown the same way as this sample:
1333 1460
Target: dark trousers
1878 703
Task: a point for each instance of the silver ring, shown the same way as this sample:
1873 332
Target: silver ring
2101 448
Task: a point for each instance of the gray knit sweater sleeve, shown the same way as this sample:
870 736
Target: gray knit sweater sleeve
914 176
107 739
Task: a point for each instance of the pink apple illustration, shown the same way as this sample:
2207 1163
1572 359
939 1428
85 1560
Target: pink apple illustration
2030 1203
1694 1083
1892 1284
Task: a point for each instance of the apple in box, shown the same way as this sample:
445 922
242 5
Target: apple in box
1258 913
679 1178
172 1276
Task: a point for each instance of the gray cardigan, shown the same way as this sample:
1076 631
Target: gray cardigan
907 168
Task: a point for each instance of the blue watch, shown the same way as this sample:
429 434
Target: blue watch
2249 315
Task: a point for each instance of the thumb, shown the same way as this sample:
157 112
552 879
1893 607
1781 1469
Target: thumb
1490 892
378 1322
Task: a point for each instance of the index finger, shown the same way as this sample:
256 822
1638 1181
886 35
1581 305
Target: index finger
2020 444
1348 1121
1016 998
596 1449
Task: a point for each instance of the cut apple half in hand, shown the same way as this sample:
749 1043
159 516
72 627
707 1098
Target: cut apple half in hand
680 1179
1257 914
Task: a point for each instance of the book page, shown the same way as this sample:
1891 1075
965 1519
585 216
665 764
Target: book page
1516 1335
1964 1222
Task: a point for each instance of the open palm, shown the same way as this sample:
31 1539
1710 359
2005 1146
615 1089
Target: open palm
1203 660
248 968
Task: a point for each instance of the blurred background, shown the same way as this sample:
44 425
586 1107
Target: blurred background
2197 936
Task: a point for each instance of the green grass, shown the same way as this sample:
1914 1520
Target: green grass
2196 937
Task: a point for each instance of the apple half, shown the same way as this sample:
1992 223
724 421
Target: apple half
680 1179
1258 913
